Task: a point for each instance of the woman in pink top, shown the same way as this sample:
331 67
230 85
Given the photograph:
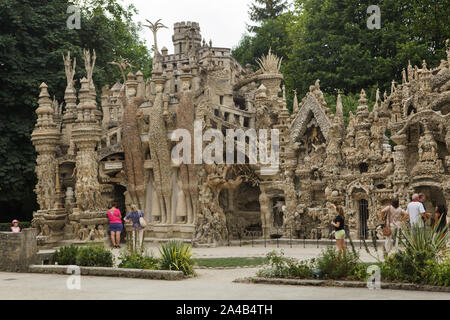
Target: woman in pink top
115 225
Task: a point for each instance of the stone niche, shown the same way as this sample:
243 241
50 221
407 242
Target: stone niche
17 250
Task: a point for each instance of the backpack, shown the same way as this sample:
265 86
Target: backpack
142 221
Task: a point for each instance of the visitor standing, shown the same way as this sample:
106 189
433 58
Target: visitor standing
339 226
422 199
416 212
135 216
15 226
115 225
440 218
393 216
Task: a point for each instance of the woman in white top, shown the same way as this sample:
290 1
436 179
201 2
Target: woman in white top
394 216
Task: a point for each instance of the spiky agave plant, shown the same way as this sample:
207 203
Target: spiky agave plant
429 240
176 255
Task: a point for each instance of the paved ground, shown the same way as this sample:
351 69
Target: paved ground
297 251
210 284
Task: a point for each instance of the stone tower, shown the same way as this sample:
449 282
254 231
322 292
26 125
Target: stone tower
186 34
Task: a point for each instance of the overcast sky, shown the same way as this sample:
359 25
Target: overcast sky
223 21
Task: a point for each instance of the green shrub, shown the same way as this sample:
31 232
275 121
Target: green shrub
66 255
281 266
406 266
420 261
336 265
175 255
94 256
138 261
437 274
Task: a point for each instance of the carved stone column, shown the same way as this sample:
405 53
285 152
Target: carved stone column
86 135
400 172
45 139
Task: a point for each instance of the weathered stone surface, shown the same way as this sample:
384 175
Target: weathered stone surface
92 155
17 250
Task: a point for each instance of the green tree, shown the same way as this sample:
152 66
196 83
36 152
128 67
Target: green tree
335 45
262 10
272 34
33 37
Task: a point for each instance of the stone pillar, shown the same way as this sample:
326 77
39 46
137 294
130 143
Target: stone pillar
105 106
140 91
86 135
400 172
45 138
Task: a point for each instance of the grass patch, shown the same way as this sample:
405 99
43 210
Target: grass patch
230 262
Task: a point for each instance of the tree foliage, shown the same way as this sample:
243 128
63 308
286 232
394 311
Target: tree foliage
262 10
329 40
33 38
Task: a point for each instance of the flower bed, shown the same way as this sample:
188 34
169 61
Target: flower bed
423 260
174 256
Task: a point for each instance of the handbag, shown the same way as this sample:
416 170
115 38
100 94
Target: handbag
387 232
142 221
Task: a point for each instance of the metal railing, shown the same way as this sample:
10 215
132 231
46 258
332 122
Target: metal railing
290 236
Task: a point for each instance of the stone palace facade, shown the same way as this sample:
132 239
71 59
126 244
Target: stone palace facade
91 155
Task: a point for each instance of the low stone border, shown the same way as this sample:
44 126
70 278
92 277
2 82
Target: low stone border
339 283
111 272
226 268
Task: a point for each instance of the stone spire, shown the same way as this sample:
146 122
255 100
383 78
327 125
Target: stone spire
392 87
44 111
89 65
295 105
410 71
376 106
141 84
339 106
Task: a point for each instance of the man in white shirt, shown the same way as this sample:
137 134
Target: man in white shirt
416 211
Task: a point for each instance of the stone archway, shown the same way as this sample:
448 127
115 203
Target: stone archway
358 217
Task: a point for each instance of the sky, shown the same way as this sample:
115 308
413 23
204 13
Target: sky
222 21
